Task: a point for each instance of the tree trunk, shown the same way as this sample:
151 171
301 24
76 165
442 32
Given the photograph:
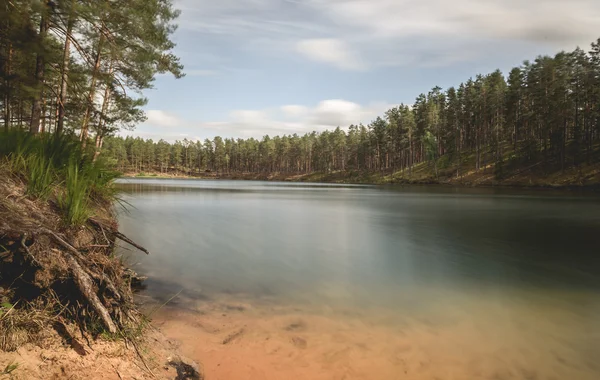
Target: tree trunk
36 107
65 73
43 116
99 142
90 99
102 122
7 99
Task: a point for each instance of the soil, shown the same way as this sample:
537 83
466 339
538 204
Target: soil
66 302
54 358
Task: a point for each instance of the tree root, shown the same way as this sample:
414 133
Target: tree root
84 282
42 261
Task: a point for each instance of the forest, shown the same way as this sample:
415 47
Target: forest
544 111
79 67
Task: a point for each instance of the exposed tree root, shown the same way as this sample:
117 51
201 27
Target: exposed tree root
69 273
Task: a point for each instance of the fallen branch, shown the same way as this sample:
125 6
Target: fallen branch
60 241
118 235
129 241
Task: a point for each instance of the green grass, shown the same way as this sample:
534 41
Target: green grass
52 165
10 368
41 176
75 200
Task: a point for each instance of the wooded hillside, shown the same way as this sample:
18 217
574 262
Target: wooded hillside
546 111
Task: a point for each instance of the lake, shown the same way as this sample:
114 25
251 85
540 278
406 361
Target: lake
268 280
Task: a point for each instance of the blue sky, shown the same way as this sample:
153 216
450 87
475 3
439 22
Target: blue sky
257 67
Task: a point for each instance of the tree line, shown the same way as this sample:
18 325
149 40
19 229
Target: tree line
547 111
80 66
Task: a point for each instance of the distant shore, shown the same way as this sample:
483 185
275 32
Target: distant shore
586 177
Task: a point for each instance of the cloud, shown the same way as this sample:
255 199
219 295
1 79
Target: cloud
293 110
337 112
249 116
366 34
160 118
555 21
283 120
330 50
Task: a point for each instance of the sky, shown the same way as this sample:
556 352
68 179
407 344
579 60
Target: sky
257 67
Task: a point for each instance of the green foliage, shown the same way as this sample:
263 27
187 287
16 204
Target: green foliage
545 111
5 308
75 199
40 175
56 164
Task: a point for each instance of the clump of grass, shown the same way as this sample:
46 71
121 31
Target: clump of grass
56 165
75 199
40 176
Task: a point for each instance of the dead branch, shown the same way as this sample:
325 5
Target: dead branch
118 235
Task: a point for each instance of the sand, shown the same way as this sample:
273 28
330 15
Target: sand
234 341
54 359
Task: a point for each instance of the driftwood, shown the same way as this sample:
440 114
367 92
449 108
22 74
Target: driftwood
118 235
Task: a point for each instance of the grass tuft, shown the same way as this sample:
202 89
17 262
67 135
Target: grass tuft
75 199
55 165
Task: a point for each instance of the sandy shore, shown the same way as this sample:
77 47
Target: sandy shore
237 341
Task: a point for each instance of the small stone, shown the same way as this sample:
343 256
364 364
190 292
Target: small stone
186 369
299 342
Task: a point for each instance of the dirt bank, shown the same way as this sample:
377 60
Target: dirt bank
66 302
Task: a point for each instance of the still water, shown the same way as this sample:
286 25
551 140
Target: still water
372 282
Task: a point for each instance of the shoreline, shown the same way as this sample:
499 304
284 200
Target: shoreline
67 307
306 178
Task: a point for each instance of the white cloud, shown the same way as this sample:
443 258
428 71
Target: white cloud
294 110
555 21
337 112
249 116
160 118
361 34
284 120
332 51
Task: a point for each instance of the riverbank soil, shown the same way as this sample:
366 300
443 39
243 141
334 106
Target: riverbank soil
66 302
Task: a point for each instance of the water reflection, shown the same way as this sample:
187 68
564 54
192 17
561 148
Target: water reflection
512 269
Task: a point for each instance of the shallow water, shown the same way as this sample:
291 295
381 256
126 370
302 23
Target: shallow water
328 281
